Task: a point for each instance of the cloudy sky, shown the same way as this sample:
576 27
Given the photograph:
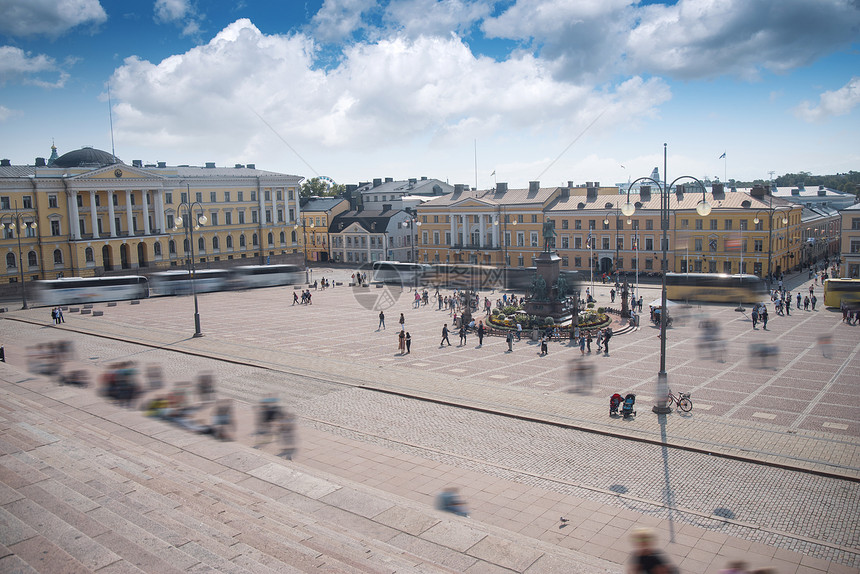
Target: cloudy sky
549 90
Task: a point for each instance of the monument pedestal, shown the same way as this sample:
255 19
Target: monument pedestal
546 301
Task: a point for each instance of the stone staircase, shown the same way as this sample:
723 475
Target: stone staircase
89 487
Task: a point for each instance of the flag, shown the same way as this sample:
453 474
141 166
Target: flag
588 241
722 156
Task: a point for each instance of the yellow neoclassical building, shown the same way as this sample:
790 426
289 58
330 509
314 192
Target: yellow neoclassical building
750 232
86 213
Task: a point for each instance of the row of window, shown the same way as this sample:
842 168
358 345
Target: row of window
32 259
27 200
713 224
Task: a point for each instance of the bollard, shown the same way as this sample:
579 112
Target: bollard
2 354
98 313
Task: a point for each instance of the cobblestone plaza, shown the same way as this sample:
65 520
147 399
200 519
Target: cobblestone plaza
767 459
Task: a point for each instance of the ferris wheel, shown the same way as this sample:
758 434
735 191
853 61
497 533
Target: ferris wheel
329 182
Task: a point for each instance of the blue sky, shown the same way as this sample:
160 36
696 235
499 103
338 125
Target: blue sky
551 90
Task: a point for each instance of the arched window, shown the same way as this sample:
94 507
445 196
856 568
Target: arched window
215 243
58 257
254 240
171 247
242 240
201 245
283 238
10 261
32 261
156 248
293 238
271 239
88 255
229 242
186 247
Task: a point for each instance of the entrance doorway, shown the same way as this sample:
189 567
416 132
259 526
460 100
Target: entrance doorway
605 264
107 261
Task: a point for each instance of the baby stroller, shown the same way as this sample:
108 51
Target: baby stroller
627 410
615 402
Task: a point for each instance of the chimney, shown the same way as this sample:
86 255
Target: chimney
40 162
238 166
350 187
758 191
501 187
209 164
644 193
679 191
423 178
565 192
458 188
389 179
718 191
590 191
7 163
137 163
821 191
386 207
377 181
163 164
795 191
534 186
251 166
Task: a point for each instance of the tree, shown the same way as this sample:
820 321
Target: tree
317 187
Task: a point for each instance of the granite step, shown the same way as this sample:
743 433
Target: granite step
108 489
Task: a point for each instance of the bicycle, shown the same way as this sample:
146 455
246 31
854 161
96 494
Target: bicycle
682 400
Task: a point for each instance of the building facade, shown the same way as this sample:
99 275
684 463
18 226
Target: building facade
96 215
317 214
365 236
752 232
850 223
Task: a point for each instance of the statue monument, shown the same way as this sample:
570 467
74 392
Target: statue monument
550 294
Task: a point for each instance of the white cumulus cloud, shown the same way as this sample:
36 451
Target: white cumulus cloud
834 103
430 90
337 20
51 18
19 66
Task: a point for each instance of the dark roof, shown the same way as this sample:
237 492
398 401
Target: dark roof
320 203
86 157
371 220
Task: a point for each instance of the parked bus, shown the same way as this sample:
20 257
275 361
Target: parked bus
521 278
76 290
716 287
400 273
178 281
467 276
254 276
838 290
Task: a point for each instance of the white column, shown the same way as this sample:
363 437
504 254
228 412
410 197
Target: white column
111 215
496 233
159 210
93 215
464 230
453 229
145 203
481 229
128 216
75 225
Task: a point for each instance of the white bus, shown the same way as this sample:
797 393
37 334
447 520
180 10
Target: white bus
400 273
178 281
254 276
76 290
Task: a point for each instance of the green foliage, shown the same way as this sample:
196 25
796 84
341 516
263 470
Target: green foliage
601 310
590 305
317 187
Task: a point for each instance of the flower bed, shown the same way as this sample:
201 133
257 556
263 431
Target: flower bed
508 317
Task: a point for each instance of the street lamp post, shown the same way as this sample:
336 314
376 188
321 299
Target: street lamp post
703 209
606 222
17 224
771 210
191 222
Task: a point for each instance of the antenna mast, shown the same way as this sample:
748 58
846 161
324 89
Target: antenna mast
110 114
